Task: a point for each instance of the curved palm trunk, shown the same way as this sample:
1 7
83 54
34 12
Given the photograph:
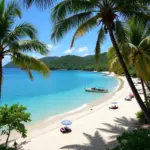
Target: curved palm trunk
137 96
1 76
144 91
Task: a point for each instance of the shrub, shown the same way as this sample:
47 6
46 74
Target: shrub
135 140
140 116
2 147
13 118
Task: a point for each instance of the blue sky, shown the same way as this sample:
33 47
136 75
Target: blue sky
41 20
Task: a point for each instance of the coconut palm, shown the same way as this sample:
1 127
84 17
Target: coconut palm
136 52
39 3
16 41
104 14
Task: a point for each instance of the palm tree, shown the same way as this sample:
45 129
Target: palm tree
104 14
135 52
16 42
39 3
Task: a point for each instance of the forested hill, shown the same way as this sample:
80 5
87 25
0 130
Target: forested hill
72 62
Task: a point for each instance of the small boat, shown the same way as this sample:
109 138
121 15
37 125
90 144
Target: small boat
97 90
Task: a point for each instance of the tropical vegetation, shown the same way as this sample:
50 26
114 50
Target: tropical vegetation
107 16
135 51
12 118
17 40
130 50
137 139
71 62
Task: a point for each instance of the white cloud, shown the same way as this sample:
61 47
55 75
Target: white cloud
76 51
69 51
50 46
6 60
82 49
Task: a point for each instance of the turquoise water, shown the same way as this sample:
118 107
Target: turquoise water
62 91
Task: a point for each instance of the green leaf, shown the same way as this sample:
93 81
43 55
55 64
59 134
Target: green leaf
27 46
62 27
29 63
66 7
100 40
21 31
85 27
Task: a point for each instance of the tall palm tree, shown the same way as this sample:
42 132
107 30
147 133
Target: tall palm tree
136 52
104 14
16 41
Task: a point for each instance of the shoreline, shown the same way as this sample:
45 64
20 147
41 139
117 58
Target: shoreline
82 108
53 122
87 121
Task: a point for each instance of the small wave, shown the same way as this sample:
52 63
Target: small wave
69 112
78 109
112 74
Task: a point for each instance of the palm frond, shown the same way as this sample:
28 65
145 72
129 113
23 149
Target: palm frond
146 32
111 53
113 61
29 63
100 40
142 67
62 27
135 32
40 3
125 49
145 45
85 27
28 46
7 16
120 32
129 8
21 31
13 10
114 66
2 7
67 7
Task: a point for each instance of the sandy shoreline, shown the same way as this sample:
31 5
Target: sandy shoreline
84 107
46 135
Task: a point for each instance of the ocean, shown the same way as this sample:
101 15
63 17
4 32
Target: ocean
60 92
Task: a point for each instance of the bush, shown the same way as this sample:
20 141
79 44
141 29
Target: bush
2 147
140 116
135 140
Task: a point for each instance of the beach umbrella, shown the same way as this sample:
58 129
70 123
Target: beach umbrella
66 122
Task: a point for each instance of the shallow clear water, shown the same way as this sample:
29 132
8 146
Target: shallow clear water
60 92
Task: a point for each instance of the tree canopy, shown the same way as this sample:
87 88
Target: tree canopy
17 40
13 117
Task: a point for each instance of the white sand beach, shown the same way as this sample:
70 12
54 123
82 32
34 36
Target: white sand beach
87 125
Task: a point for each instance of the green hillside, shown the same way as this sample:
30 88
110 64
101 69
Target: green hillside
72 62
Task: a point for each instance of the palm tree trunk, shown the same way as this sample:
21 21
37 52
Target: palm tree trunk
144 91
1 76
134 90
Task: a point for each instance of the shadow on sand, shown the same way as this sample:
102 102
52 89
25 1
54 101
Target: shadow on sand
20 145
121 125
97 142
